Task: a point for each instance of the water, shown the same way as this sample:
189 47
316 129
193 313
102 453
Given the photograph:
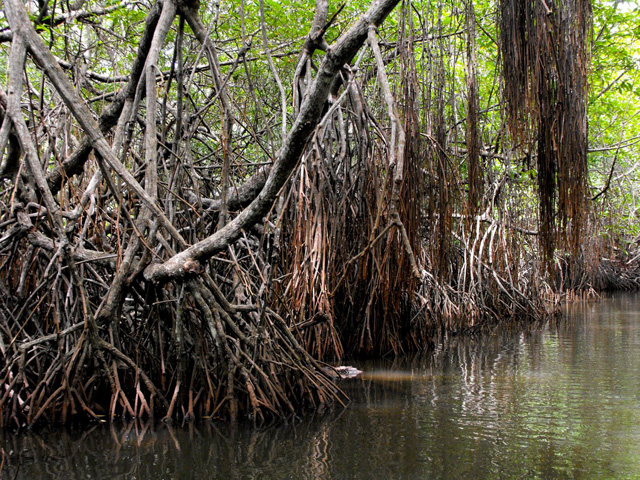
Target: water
558 402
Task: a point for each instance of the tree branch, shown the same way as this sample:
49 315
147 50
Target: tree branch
287 157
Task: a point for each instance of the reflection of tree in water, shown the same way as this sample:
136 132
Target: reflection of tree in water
449 409
143 450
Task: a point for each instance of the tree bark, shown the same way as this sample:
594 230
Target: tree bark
20 25
287 157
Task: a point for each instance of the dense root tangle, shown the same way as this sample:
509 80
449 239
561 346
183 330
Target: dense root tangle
126 289
190 354
191 233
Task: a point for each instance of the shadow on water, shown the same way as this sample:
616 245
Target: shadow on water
555 401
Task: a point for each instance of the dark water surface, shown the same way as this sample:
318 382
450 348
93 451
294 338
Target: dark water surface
558 402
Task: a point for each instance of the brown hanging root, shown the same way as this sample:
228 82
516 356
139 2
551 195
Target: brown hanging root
545 65
365 250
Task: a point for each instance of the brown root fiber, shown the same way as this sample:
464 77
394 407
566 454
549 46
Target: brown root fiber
200 250
545 58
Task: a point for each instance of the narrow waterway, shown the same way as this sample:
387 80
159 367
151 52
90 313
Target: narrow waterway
562 401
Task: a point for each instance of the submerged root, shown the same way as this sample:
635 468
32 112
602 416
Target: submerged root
208 358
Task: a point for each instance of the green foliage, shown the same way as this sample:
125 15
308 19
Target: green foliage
614 115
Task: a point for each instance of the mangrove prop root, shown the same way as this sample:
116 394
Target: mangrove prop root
166 251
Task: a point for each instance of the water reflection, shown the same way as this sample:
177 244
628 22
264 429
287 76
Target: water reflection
561 401
142 450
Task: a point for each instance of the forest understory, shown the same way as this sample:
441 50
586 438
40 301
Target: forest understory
201 232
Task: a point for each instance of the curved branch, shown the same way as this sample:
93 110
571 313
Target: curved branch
341 52
74 164
20 25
